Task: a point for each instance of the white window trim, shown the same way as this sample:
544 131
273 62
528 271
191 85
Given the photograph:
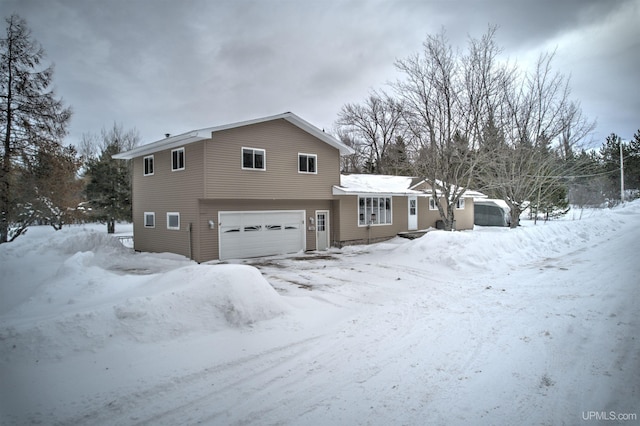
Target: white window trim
432 204
264 159
145 219
460 204
184 159
144 165
315 156
177 228
374 224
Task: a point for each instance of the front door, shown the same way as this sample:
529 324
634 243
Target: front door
322 230
413 213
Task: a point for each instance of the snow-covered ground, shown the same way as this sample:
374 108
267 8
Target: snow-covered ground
537 325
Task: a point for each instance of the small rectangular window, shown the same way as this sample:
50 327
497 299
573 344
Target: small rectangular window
173 220
432 204
307 163
149 220
177 159
148 165
253 159
460 204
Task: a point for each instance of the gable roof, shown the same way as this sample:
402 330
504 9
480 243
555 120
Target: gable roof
201 134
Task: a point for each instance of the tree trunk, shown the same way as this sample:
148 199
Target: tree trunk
111 226
515 216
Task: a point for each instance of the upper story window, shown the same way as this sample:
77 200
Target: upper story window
177 159
460 204
253 159
307 163
148 165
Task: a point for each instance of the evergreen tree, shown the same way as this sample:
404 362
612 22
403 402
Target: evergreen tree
31 119
108 189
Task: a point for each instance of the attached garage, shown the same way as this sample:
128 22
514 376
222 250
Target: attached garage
245 234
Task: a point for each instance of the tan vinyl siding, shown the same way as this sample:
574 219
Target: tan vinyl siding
350 232
168 191
209 209
464 217
427 218
282 141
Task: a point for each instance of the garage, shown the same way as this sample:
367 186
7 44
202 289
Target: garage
261 233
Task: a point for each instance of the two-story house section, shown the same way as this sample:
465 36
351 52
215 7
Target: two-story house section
269 186
247 189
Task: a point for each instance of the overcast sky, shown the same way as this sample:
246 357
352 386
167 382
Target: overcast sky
174 66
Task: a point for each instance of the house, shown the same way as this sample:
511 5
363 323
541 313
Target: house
377 207
265 186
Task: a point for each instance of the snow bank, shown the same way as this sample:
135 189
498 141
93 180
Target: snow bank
490 248
80 294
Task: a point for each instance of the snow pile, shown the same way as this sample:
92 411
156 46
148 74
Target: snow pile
86 301
489 248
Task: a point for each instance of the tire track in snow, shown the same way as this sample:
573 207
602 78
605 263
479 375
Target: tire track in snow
131 408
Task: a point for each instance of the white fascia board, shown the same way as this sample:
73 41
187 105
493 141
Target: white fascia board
166 143
313 130
198 135
338 190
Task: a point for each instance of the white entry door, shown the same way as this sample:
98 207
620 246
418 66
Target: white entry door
413 213
260 233
322 230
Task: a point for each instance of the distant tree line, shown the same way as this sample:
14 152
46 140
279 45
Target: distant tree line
42 180
464 119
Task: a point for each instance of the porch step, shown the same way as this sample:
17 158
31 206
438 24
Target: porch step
412 235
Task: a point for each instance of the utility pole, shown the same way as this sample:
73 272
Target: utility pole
621 172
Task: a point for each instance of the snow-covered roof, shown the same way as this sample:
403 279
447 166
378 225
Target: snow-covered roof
386 184
485 200
201 134
374 184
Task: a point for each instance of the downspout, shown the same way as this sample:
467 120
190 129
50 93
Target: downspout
190 245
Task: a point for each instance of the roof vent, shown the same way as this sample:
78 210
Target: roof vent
166 135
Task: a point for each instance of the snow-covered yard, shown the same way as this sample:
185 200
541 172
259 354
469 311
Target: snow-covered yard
537 325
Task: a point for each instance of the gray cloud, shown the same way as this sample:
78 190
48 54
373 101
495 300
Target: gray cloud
166 66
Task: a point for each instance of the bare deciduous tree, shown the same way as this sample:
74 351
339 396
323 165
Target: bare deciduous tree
373 128
447 98
539 126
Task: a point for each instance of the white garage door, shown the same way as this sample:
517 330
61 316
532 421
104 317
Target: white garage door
261 233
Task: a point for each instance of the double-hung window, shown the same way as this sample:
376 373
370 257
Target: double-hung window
253 159
149 220
148 165
307 163
374 211
173 220
177 159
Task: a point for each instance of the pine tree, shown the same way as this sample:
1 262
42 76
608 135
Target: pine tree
31 117
108 189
